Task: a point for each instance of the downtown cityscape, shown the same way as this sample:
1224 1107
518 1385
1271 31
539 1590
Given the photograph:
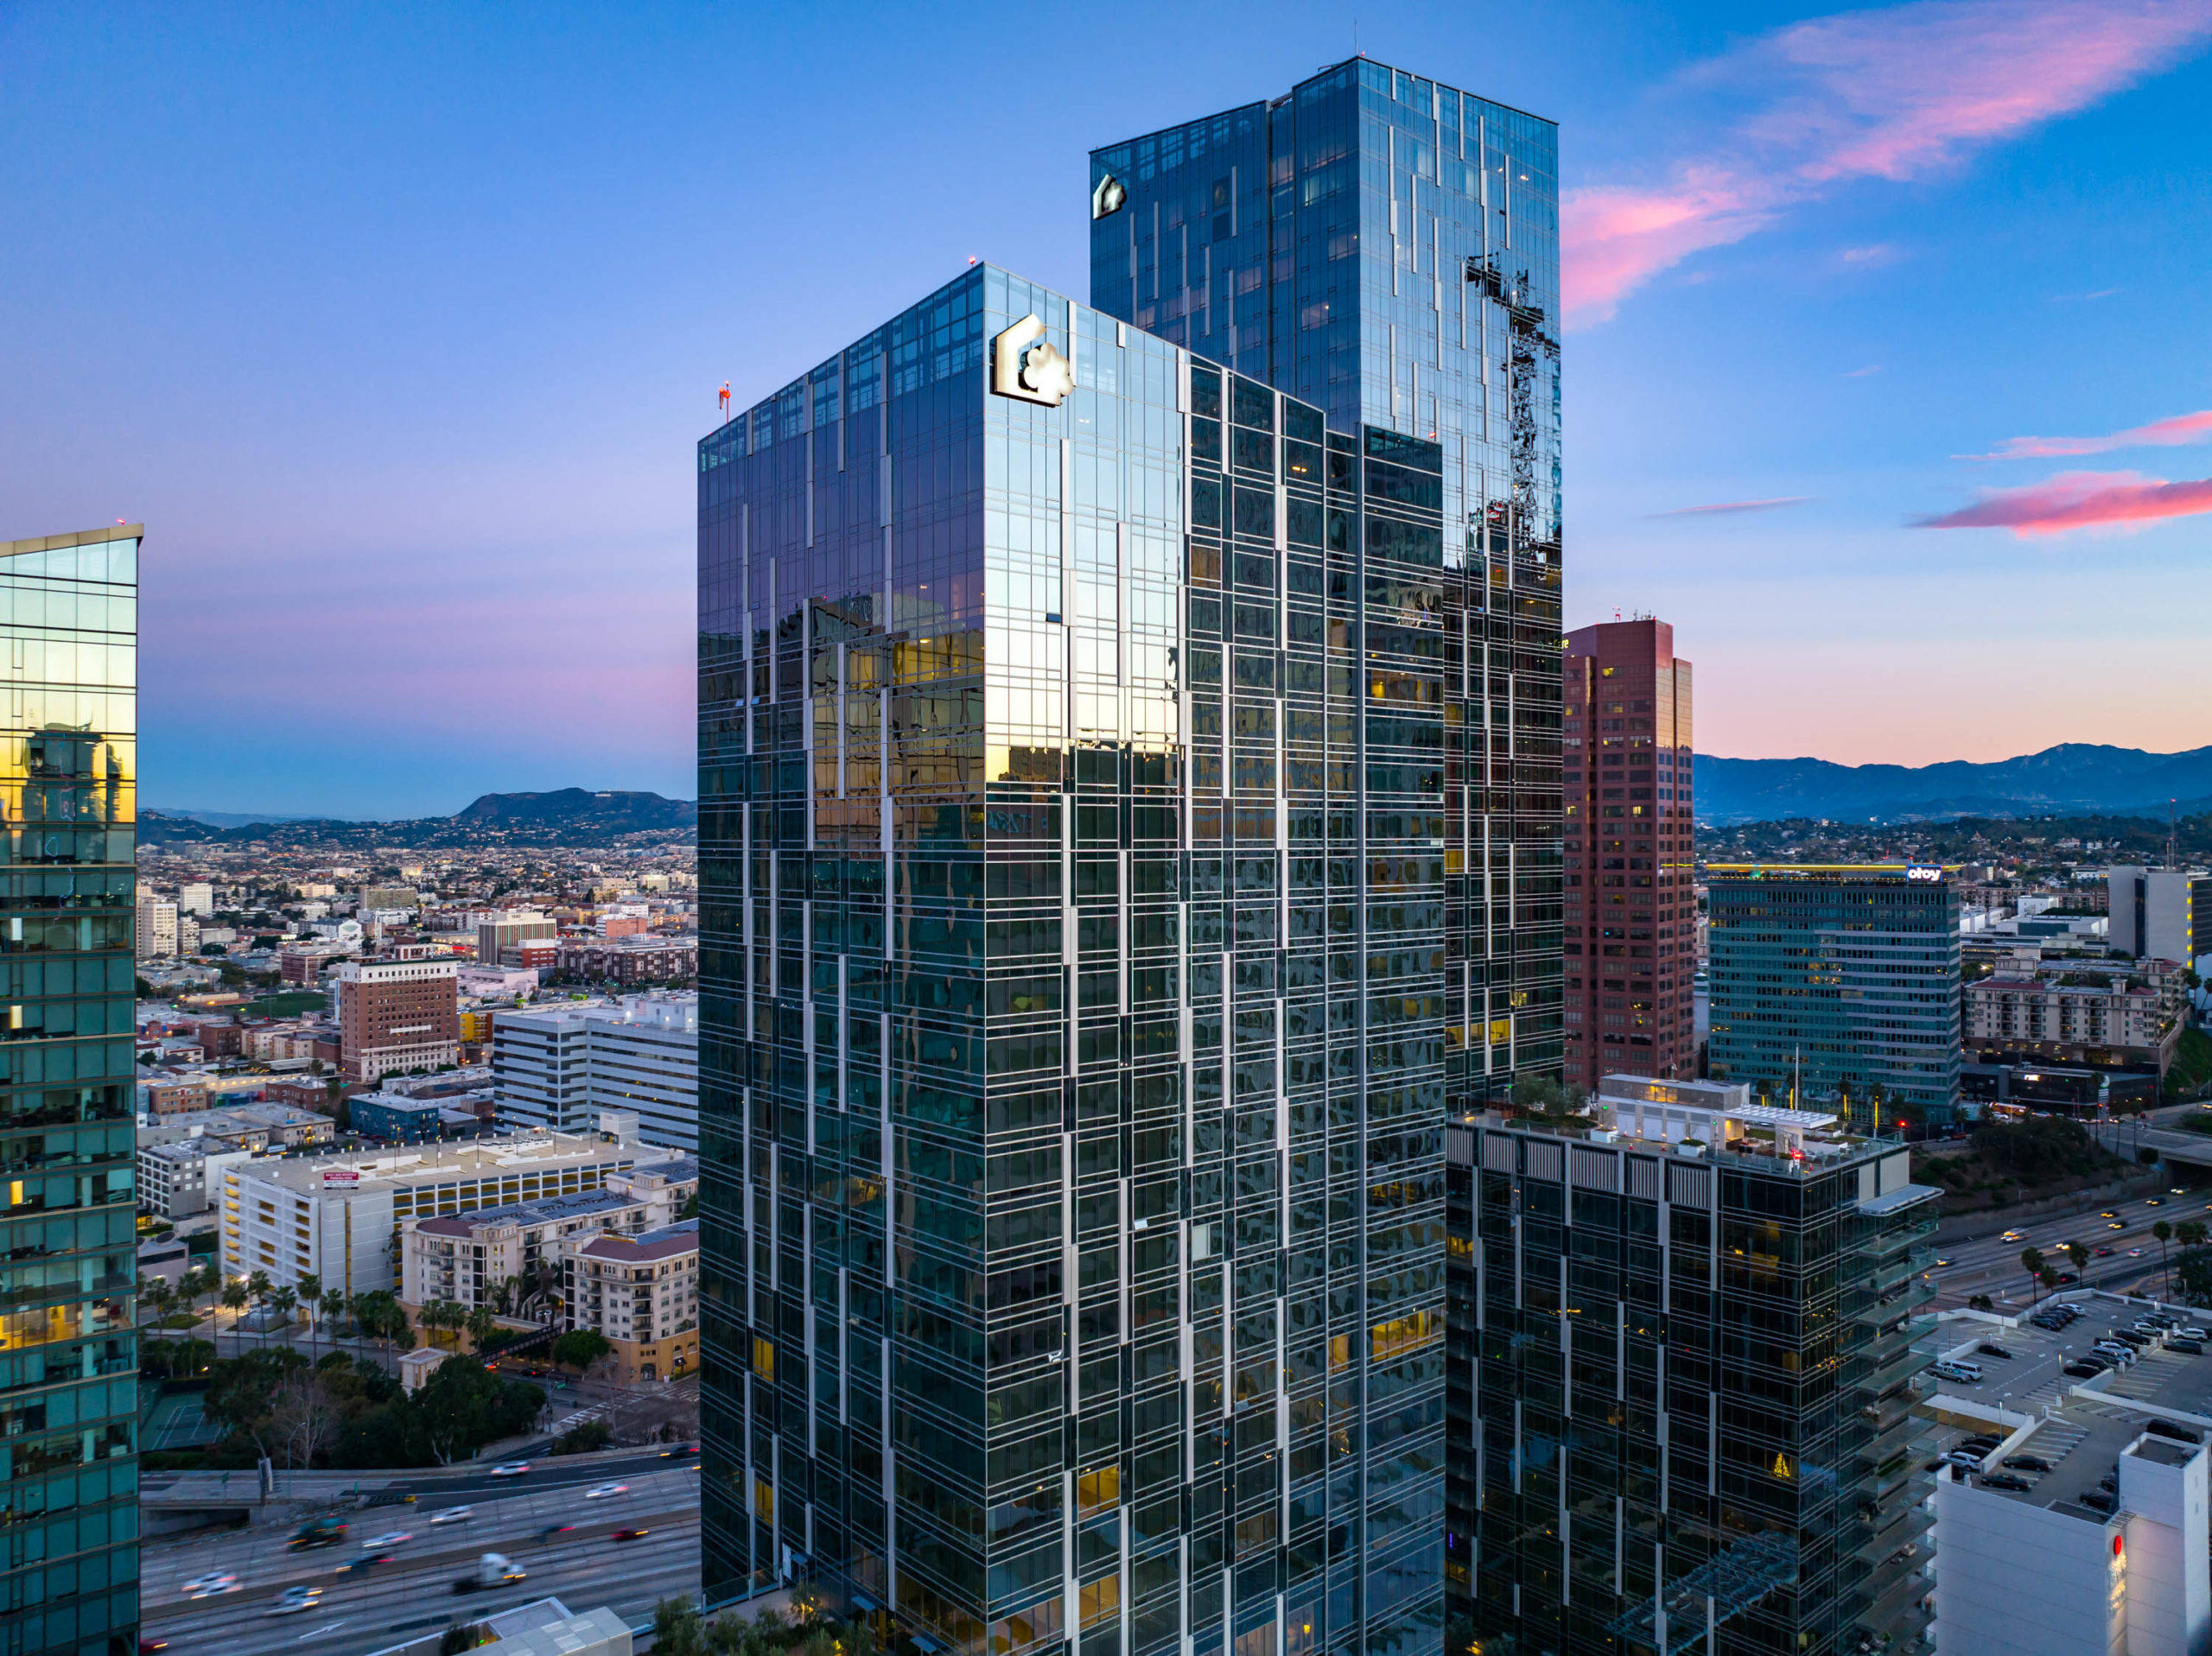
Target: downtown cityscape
1197 1061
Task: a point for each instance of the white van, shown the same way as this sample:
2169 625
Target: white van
1968 1372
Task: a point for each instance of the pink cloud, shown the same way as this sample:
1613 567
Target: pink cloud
2159 434
2080 501
1895 94
1722 507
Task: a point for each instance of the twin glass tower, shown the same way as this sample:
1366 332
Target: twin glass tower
1129 827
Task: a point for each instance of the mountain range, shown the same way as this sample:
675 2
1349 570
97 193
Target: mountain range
567 816
2072 778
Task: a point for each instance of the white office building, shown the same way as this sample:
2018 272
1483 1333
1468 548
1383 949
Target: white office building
156 927
339 1217
196 898
560 1067
2164 913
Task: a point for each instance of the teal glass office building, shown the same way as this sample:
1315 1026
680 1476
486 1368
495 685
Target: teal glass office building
69 1355
1073 846
1836 981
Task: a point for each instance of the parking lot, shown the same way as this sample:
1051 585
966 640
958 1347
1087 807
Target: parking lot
2077 1437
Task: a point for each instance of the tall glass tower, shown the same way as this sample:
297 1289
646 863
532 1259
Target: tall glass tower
1386 248
1076 836
68 1357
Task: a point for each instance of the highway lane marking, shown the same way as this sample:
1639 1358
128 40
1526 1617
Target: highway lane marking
331 1627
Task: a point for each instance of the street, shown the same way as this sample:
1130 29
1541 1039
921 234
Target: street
414 1593
1991 1265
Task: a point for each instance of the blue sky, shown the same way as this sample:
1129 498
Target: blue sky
396 327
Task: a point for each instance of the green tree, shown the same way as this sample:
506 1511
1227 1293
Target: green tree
481 1325
677 1630
578 1348
2165 1232
2190 1232
256 1291
2080 1255
2193 1275
2031 1262
285 1300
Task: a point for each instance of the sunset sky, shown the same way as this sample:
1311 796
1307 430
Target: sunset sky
1886 369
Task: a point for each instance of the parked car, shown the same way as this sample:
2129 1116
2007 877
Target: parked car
2171 1429
2027 1462
2004 1481
2190 1331
2085 1368
2098 1501
1991 1349
2187 1348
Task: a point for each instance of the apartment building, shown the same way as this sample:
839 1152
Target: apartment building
642 1293
2093 1015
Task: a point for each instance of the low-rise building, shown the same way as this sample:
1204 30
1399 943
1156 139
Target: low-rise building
338 1217
628 962
174 1176
397 1119
259 1129
641 1293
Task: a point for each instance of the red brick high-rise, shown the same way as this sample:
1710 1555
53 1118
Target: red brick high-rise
1631 910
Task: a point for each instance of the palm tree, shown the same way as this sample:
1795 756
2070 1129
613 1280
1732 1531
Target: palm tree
310 1292
234 1299
2031 1262
257 1290
286 1299
482 1324
2164 1232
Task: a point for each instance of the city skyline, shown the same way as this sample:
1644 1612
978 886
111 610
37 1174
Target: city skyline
393 375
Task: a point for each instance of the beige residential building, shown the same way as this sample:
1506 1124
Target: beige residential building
642 1293
510 1257
2124 1013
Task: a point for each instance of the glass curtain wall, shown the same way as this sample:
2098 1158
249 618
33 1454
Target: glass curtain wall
1072 1055
68 1353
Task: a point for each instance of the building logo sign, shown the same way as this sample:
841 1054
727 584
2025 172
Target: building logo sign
1025 365
1924 873
1107 197
341 1178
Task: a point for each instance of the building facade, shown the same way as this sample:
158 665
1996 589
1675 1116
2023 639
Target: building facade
339 1217
628 962
157 926
395 1016
2163 913
1630 899
69 1363
2121 1015
1682 1396
641 1293
496 933
175 1177
1079 998
1831 982
643 1057
541 1066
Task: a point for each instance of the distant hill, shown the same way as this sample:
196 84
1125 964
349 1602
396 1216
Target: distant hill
569 816
2075 778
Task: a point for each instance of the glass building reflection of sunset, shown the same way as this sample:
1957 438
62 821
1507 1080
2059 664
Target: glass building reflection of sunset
68 1357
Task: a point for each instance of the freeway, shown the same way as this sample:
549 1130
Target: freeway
414 1594
1991 1264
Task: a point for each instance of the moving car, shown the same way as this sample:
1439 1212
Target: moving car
319 1533
208 1586
602 1491
453 1516
363 1564
389 1538
511 1469
631 1535
294 1599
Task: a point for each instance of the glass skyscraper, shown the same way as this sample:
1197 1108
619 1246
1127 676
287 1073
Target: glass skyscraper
69 1355
1074 852
1836 980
